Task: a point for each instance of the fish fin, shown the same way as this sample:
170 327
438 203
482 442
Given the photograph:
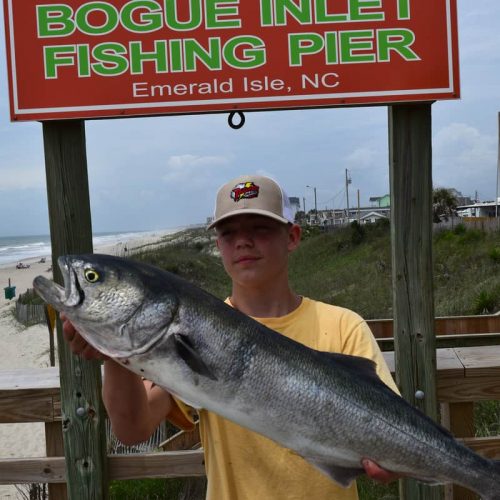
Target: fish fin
188 353
341 475
359 364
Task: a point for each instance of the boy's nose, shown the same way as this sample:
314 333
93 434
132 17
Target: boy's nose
244 238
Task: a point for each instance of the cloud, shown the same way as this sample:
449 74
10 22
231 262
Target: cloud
21 178
363 158
464 145
465 158
193 169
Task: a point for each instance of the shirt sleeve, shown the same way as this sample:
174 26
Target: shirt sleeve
181 415
358 340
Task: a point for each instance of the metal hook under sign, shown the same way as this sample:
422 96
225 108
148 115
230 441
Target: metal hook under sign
231 122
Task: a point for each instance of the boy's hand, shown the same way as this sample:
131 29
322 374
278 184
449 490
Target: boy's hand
77 343
373 471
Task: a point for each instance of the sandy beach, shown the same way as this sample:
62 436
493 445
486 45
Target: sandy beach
28 347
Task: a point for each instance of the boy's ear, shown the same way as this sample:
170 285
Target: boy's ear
294 234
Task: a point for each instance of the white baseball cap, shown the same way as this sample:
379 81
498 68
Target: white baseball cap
252 194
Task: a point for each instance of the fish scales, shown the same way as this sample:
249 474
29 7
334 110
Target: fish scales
331 409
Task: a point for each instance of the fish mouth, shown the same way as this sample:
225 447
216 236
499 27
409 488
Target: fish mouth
61 297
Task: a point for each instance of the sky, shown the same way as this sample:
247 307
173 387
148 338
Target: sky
163 172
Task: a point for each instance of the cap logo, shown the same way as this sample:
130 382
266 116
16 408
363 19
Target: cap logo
245 190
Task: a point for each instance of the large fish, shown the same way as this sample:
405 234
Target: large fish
331 409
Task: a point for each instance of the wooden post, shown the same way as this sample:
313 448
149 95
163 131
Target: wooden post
410 157
461 417
70 231
50 316
54 447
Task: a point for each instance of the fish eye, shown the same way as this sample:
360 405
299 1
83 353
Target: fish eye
91 275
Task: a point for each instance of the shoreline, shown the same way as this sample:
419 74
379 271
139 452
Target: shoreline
27 347
113 243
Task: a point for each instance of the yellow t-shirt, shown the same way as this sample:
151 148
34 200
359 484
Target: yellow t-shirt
243 465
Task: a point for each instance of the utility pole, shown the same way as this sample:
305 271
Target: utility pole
304 203
347 182
358 206
315 203
498 175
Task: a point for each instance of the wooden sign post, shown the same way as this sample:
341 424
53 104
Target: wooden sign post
70 230
410 159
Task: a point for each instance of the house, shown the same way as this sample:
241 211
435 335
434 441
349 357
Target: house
381 201
372 217
479 209
364 215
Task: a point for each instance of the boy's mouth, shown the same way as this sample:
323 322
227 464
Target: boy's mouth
246 258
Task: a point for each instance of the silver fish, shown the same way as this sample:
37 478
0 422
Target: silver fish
337 411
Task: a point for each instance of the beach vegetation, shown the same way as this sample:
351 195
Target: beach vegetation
191 255
444 204
494 254
146 489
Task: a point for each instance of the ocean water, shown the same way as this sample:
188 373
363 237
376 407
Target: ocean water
14 249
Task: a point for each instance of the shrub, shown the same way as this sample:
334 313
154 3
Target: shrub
485 302
445 235
310 232
494 254
472 235
357 233
487 418
150 489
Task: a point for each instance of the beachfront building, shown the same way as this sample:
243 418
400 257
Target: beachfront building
339 217
479 209
381 201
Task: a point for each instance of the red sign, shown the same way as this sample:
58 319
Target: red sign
77 59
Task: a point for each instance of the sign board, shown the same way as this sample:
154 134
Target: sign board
89 59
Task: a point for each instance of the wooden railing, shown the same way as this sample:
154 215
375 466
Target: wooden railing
465 375
445 325
33 396
453 331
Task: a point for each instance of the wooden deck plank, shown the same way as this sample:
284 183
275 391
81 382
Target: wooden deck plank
447 361
30 405
30 378
468 389
134 466
486 446
480 361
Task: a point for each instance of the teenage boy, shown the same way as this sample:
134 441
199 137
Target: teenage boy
255 234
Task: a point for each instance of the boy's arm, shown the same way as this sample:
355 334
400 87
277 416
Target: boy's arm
135 407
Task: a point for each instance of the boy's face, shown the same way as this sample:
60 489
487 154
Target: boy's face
255 248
